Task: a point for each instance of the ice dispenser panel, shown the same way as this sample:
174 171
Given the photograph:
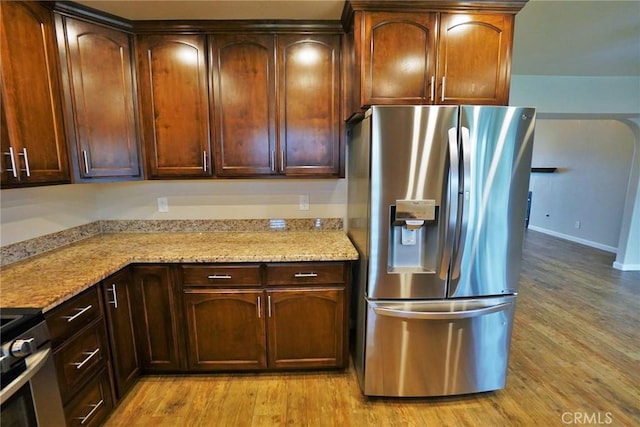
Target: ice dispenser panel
413 236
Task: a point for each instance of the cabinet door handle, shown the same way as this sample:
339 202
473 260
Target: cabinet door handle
305 275
26 161
94 409
219 276
281 160
204 161
115 295
86 162
443 86
12 157
80 312
259 308
273 160
269 305
433 88
89 354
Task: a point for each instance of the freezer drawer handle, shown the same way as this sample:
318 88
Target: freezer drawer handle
440 315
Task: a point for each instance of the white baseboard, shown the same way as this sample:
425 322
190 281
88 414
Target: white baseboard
585 242
626 267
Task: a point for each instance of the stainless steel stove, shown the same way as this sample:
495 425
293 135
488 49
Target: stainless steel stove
29 394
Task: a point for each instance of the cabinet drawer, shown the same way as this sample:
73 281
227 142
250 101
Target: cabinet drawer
80 358
221 275
93 404
305 273
73 315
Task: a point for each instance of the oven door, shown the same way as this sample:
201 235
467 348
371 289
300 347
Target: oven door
33 398
18 410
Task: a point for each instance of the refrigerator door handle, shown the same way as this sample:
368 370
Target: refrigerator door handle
441 315
464 200
454 184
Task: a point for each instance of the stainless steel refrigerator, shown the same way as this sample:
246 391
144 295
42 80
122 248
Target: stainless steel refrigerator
437 199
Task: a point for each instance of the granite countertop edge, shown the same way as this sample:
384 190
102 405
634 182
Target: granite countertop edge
47 280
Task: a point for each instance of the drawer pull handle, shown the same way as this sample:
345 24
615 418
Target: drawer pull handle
12 157
26 161
78 314
89 354
305 275
259 309
93 409
86 162
115 295
219 276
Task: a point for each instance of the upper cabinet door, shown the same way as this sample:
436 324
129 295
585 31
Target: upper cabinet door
174 101
309 101
31 102
100 100
398 58
474 58
245 105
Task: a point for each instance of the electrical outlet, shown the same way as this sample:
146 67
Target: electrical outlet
577 224
304 202
163 204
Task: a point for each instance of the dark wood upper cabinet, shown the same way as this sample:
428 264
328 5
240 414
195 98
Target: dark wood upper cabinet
174 98
309 99
474 58
426 53
398 58
35 150
100 106
245 104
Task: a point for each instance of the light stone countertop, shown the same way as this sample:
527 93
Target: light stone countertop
46 280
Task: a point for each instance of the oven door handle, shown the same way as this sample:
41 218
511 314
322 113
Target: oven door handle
34 363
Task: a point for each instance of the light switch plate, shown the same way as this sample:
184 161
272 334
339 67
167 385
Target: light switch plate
304 202
163 204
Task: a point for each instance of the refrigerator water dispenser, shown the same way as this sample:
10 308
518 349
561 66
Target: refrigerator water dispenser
411 233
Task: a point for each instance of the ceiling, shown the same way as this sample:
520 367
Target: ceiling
552 37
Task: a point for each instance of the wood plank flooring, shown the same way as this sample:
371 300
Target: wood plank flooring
575 360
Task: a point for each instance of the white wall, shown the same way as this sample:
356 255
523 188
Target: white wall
594 98
593 158
578 95
33 212
223 199
628 256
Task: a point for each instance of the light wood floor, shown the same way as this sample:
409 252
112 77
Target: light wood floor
575 360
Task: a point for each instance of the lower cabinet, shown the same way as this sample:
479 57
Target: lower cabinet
157 316
225 329
296 318
93 405
168 318
117 293
81 357
306 328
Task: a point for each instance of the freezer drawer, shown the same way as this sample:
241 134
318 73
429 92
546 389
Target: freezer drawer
437 348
